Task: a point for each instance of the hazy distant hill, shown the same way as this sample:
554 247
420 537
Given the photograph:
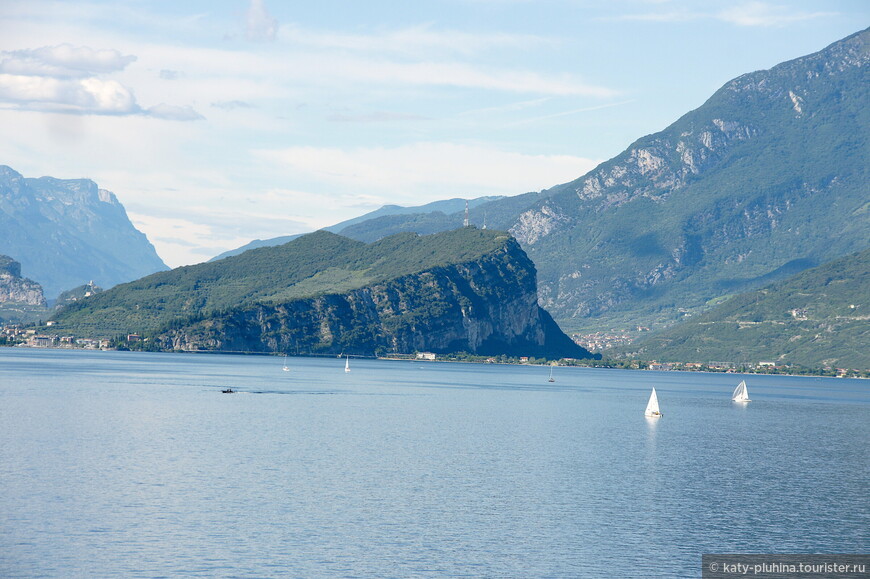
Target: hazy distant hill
68 232
442 208
499 214
768 178
462 290
820 317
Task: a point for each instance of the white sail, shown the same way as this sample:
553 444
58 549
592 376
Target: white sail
741 394
551 379
652 407
347 364
286 368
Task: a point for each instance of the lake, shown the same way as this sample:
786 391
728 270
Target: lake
136 465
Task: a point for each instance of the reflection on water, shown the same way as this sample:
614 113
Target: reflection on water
136 465
652 423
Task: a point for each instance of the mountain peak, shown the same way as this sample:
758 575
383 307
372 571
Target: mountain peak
787 79
66 232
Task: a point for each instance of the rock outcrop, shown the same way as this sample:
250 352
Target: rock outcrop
16 289
485 306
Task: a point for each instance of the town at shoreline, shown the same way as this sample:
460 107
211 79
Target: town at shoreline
29 337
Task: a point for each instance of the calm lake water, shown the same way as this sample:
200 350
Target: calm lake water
136 465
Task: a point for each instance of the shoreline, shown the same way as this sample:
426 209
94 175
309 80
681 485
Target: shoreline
638 365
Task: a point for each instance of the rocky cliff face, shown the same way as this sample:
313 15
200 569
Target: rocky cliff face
486 306
651 169
752 106
16 289
68 232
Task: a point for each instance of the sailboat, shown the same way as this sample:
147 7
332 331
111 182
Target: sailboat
347 363
741 394
551 379
652 407
286 368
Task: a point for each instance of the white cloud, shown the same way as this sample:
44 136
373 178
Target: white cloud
87 95
415 41
407 172
167 74
259 23
63 61
70 79
181 241
668 16
568 113
374 117
232 105
745 14
228 75
763 14
309 210
449 74
198 233
204 218
173 113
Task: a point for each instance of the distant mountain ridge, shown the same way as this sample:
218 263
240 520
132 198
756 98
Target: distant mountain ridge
820 317
68 232
766 179
442 208
462 290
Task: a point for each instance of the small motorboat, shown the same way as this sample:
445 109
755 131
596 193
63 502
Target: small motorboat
228 391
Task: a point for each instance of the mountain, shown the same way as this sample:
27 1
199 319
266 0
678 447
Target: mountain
462 290
767 178
67 232
820 317
445 207
764 180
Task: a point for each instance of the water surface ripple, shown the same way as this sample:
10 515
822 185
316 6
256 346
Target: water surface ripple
135 465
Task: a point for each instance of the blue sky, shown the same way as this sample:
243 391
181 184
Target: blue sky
219 122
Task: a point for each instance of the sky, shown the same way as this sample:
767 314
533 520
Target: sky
222 121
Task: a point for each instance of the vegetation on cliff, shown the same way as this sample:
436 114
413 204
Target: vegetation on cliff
462 290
